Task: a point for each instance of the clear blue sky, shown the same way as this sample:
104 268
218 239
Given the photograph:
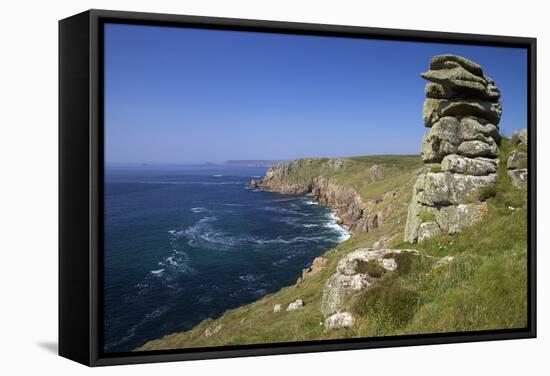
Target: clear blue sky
175 95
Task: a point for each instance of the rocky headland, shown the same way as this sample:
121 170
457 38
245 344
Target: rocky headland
356 213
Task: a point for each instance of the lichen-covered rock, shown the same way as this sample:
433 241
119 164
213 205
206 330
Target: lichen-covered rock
519 178
445 188
453 219
434 109
414 220
457 82
442 139
442 62
478 149
339 320
297 304
429 111
349 264
427 230
519 137
337 288
516 160
277 308
472 128
468 166
491 111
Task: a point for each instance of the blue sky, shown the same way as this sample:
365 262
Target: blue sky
176 95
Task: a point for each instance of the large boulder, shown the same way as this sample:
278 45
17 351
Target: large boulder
427 230
473 128
424 221
519 178
434 109
468 166
337 288
352 263
443 62
445 188
453 219
478 149
442 139
457 82
516 160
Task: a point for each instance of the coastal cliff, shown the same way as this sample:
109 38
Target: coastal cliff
347 185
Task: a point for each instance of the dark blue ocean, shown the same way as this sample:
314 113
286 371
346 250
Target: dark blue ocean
187 243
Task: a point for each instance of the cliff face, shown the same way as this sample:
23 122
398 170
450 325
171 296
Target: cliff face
356 213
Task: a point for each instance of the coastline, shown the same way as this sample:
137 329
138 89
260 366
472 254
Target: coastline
355 215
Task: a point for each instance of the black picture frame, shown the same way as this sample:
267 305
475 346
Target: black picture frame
81 186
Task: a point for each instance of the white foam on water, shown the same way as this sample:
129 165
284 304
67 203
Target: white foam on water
333 225
158 272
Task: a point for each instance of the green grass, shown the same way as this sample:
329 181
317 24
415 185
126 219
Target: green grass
484 287
426 216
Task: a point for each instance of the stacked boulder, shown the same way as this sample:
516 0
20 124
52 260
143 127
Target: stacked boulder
462 111
517 160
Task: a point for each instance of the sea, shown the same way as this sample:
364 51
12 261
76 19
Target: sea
186 243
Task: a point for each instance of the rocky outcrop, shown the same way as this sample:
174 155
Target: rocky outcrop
317 265
517 160
519 137
355 272
356 214
339 320
462 111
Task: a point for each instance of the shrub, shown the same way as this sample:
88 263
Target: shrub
389 305
372 268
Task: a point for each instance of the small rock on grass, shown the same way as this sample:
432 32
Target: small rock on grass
297 304
339 320
211 331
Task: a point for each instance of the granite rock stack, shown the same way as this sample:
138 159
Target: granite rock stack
462 110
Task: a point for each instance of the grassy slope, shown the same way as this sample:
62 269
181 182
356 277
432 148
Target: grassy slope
484 287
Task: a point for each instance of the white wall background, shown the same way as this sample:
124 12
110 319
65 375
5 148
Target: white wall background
28 188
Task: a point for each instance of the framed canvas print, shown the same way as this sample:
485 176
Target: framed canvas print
239 187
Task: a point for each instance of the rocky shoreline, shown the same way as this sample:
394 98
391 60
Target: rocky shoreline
355 214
